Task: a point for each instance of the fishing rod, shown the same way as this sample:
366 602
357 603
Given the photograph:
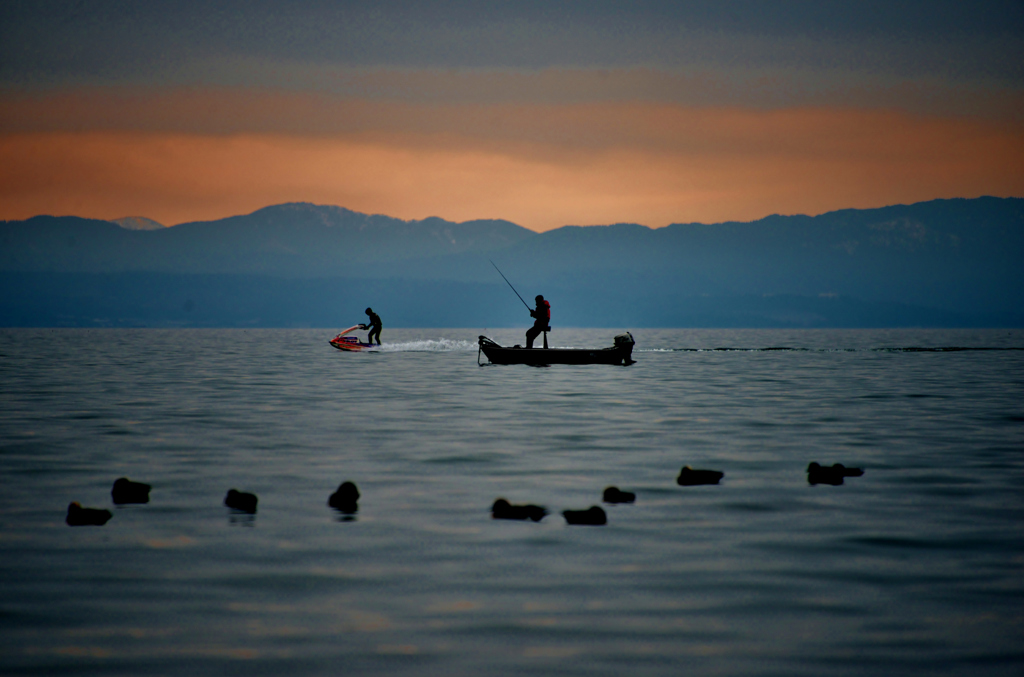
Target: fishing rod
509 283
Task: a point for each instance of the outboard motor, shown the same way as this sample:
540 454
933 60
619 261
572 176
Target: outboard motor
626 343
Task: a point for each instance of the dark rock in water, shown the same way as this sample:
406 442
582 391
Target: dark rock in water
593 515
126 491
82 517
503 510
834 474
614 495
241 501
345 498
688 477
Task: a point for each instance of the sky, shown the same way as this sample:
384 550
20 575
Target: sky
542 113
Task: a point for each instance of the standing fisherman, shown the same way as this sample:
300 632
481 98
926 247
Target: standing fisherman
542 316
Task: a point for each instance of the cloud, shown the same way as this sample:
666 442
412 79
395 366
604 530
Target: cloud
168 42
199 155
299 93
542 113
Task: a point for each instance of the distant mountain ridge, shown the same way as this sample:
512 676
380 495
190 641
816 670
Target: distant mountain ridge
946 262
295 239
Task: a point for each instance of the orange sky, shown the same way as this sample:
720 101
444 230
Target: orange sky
546 114
199 154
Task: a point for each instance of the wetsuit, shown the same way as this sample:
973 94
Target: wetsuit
542 316
375 326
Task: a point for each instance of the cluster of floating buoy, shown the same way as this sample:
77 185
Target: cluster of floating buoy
688 477
346 499
594 515
124 491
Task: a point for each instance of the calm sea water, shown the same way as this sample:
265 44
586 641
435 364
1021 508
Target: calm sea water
915 568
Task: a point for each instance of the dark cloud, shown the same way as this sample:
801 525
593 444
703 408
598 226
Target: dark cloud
162 42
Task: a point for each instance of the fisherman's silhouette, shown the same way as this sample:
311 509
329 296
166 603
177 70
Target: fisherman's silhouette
374 326
541 319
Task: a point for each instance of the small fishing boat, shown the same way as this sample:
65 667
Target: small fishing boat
620 353
352 343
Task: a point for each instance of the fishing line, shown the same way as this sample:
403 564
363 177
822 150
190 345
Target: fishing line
509 283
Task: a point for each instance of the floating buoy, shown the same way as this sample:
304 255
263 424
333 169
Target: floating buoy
126 491
594 515
503 510
833 475
688 477
345 498
86 517
614 495
241 501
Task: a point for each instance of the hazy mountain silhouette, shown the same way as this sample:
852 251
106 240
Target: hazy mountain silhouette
290 240
939 263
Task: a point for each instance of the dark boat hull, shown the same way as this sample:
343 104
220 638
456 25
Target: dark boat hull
620 353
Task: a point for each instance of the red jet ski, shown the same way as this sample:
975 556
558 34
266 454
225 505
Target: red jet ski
352 343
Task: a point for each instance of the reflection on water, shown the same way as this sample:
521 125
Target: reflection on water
913 568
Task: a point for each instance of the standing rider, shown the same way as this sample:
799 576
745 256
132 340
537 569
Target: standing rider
542 316
374 326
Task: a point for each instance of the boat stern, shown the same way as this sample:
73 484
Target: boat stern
625 342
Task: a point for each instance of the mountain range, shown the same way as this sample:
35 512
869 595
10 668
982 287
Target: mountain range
939 263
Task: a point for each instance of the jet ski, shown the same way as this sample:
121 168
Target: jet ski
352 343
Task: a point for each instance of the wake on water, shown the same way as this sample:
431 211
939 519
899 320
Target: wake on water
450 345
719 342
427 346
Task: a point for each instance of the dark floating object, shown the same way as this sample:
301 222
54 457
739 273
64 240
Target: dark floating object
503 510
594 515
241 501
688 477
834 474
621 352
84 517
345 498
126 491
614 495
